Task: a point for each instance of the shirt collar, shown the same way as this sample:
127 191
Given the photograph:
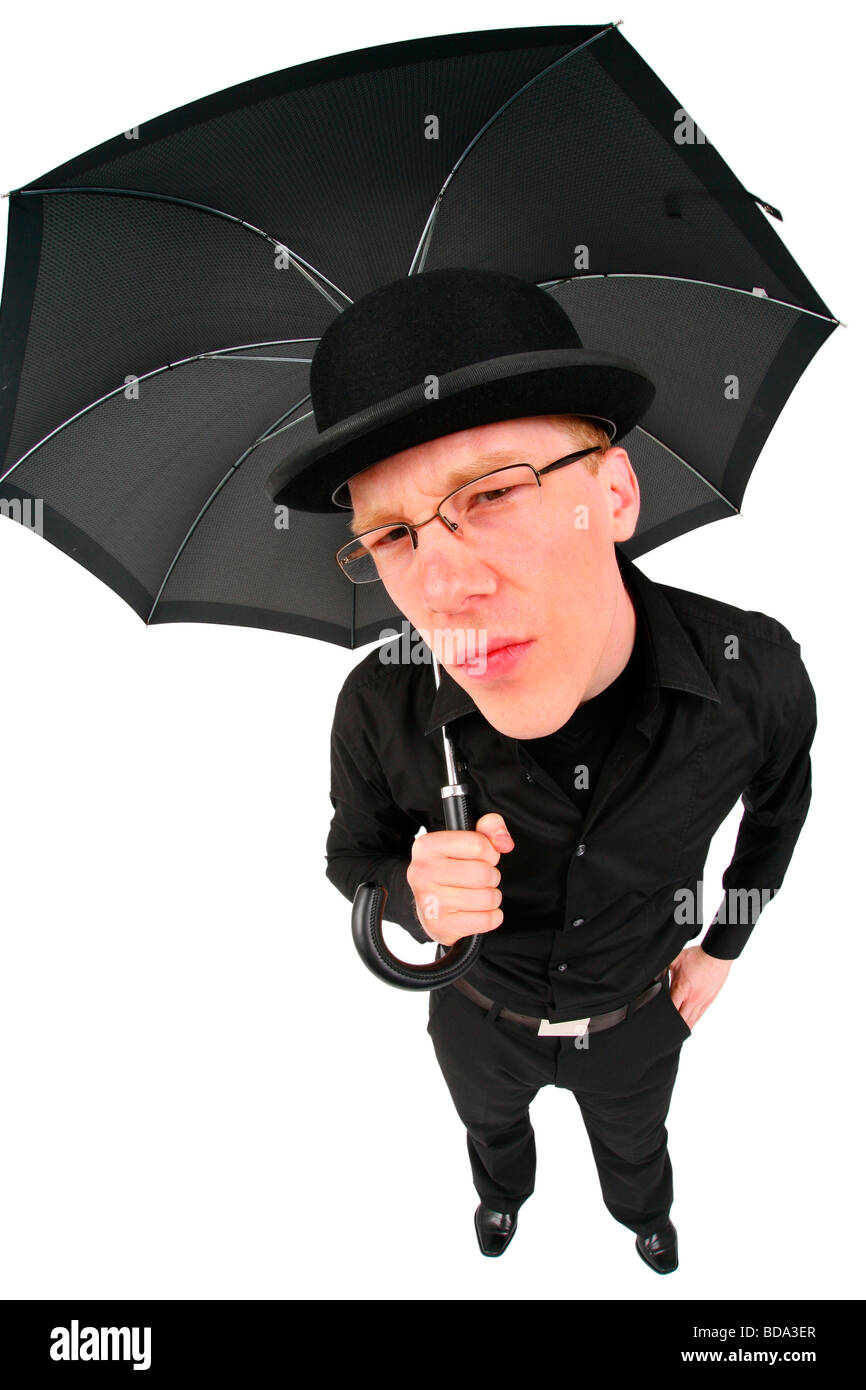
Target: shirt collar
673 661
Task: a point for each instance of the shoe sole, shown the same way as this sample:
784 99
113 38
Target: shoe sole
494 1254
655 1269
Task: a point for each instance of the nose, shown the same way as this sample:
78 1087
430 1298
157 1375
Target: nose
447 569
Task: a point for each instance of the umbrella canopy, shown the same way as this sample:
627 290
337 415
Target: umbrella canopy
164 294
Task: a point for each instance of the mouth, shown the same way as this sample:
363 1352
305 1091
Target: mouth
501 656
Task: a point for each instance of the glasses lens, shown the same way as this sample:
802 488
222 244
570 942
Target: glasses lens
494 502
376 554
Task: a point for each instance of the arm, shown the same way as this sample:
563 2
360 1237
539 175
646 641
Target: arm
776 803
370 836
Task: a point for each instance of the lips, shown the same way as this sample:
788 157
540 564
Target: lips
506 642
497 646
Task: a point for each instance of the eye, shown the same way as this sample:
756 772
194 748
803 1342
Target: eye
496 495
388 538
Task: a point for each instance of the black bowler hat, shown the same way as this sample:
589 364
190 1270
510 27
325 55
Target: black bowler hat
441 351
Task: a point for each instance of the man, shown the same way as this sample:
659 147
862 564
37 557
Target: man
606 724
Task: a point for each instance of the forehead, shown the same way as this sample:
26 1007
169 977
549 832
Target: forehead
401 486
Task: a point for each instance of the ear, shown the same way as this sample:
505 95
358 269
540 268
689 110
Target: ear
619 479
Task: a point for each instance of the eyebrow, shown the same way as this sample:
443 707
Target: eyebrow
455 479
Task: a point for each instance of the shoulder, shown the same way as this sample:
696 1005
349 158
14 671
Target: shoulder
747 652
384 686
378 673
705 618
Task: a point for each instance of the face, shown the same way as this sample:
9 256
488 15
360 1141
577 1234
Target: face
553 585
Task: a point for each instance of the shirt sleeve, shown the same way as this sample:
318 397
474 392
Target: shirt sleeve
371 837
776 803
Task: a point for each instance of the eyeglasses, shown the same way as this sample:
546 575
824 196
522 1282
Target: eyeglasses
485 507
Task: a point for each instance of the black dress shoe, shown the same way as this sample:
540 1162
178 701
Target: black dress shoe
659 1249
494 1229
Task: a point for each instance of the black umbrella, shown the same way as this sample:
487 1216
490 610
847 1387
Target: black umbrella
164 293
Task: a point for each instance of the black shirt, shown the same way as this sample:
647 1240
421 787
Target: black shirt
596 898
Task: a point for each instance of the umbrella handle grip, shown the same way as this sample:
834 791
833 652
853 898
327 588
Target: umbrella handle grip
368 906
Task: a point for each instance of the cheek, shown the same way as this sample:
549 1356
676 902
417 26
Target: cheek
557 547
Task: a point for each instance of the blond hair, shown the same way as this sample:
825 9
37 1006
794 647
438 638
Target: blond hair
585 432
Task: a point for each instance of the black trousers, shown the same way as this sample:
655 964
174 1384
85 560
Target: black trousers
622 1079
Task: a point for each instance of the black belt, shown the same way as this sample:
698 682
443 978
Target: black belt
596 1021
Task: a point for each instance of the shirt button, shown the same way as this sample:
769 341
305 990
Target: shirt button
581 849
562 965
528 776
578 922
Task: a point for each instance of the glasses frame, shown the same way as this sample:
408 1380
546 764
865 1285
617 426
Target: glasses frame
413 529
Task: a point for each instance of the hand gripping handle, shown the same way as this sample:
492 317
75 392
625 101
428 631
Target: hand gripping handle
368 906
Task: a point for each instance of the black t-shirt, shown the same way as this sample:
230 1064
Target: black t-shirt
574 753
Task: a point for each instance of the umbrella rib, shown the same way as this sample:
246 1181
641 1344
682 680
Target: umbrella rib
684 280
267 434
424 243
696 471
181 361
273 432
304 267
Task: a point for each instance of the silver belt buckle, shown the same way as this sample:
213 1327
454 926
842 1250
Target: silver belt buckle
571 1028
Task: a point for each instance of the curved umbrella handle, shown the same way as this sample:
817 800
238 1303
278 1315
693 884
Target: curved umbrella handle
368 906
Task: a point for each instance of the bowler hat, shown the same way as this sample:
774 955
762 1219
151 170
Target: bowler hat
445 350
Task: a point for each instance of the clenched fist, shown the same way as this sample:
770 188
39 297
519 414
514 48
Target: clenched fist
455 881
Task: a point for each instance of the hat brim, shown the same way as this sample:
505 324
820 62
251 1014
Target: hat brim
572 381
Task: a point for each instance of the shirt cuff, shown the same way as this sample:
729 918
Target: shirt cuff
725 941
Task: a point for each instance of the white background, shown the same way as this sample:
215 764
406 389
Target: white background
203 1092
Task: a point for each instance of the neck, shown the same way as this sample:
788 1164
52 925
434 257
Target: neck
618 647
